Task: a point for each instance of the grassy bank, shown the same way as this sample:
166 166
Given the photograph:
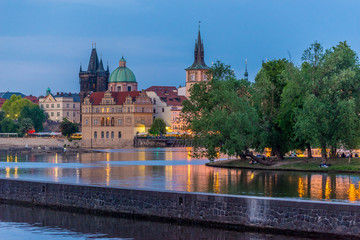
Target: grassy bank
340 165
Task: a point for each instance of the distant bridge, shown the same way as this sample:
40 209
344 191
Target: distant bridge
163 142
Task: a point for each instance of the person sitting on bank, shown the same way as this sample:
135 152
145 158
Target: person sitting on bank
343 155
323 164
253 161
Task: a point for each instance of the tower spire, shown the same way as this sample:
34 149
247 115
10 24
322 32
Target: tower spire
199 62
246 74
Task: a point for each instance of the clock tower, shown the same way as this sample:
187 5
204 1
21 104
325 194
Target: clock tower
197 71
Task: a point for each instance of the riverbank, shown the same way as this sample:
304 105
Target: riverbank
228 211
337 165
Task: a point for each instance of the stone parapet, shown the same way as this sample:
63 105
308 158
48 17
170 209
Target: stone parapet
226 210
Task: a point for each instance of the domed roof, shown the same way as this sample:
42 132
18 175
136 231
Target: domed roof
122 73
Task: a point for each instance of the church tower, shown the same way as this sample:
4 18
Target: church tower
95 79
246 74
197 71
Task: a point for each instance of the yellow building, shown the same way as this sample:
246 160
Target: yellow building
112 119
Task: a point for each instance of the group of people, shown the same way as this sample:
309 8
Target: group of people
343 155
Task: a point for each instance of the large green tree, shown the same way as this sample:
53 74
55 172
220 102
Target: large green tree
158 126
25 125
269 85
330 113
9 126
35 113
13 106
67 128
221 116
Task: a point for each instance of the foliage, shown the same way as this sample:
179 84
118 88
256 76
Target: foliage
330 113
26 124
35 113
220 114
269 85
158 126
9 126
67 128
14 105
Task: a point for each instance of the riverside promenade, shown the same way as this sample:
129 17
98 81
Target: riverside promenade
229 211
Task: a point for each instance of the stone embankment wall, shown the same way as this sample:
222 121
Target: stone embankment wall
36 142
271 213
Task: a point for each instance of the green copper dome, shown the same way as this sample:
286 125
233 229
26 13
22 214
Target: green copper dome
122 73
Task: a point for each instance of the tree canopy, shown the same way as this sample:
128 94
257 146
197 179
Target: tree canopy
158 126
67 128
220 114
13 106
35 114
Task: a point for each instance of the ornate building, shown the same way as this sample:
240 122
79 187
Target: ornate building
122 79
112 119
197 71
95 79
61 105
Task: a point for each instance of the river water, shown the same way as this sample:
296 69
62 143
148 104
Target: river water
175 169
157 168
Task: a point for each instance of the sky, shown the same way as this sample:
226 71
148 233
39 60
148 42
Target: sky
43 42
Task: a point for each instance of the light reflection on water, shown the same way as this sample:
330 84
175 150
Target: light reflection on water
174 169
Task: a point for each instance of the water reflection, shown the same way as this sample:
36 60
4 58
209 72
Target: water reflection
174 169
18 222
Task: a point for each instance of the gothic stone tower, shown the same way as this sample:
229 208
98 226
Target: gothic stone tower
95 79
197 71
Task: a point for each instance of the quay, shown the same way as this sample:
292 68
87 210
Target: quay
221 210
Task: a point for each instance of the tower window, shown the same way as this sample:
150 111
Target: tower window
192 77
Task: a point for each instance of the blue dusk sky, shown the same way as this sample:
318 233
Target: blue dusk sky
42 42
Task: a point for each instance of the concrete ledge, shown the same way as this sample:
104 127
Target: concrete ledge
253 212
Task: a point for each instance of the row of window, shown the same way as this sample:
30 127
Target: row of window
118 110
107 135
52 114
53 105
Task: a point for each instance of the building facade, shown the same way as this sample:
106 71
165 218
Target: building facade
197 72
167 106
112 119
60 106
95 78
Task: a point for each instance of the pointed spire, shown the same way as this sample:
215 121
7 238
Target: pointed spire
107 67
199 62
246 74
101 66
81 67
94 61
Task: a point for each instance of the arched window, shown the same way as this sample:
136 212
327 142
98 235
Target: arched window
102 121
107 121
95 134
119 89
112 121
129 88
112 134
102 134
107 134
119 134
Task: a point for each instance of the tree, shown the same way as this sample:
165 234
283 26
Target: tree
221 116
13 106
35 113
9 126
269 86
2 116
330 113
158 126
67 128
26 124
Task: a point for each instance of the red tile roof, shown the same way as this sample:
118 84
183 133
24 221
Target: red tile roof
168 94
2 100
119 97
33 99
